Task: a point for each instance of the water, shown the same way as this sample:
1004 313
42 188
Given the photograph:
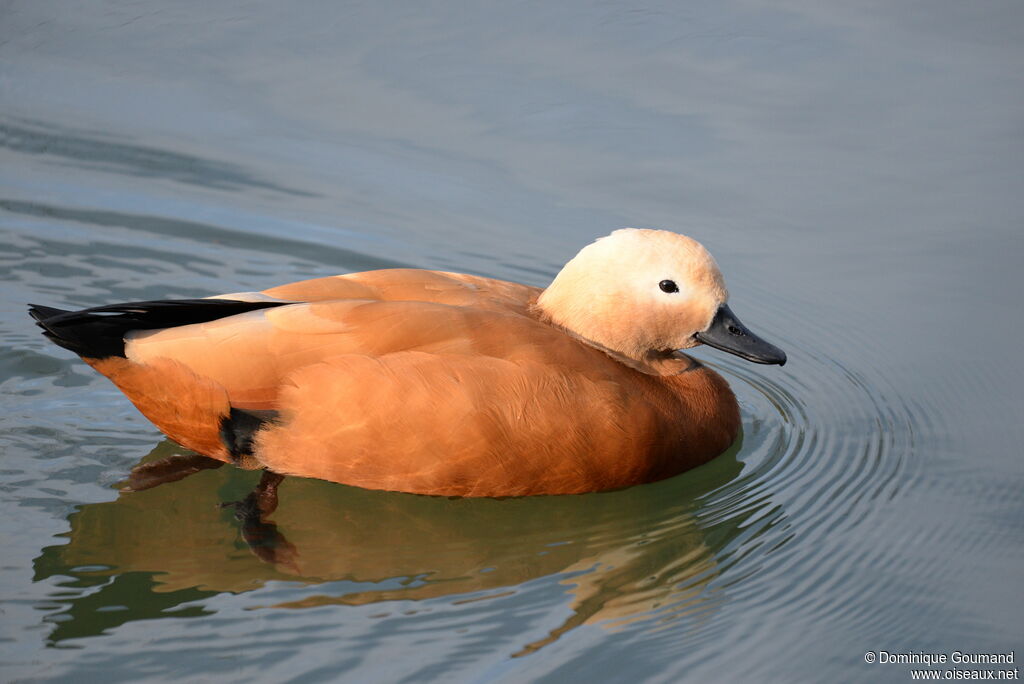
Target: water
856 171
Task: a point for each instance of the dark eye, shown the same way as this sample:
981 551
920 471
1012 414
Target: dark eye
668 286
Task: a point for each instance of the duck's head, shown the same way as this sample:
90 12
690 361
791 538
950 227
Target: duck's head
644 293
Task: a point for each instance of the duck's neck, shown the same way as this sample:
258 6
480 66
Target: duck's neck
600 320
654 362
651 362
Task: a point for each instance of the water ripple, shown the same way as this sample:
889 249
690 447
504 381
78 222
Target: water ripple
100 152
826 442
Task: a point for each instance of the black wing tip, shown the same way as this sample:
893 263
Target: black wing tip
42 313
98 332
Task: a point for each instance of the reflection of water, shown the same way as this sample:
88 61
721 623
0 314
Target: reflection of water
626 555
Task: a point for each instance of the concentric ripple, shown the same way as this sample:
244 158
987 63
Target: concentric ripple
825 442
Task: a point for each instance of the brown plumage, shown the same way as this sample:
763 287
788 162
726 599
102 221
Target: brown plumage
442 383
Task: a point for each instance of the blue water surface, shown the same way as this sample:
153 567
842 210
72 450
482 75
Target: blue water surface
856 170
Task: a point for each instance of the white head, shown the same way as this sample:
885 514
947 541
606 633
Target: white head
643 292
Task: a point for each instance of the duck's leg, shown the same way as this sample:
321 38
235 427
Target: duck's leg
262 536
265 494
169 469
260 502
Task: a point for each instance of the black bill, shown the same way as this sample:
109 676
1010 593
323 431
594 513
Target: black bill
728 334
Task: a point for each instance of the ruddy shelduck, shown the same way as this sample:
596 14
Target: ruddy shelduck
442 383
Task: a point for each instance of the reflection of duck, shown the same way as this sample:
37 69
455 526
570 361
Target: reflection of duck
441 383
622 555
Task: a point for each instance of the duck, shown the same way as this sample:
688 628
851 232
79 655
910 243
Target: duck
441 383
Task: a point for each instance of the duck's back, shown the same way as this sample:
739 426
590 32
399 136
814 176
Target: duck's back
410 285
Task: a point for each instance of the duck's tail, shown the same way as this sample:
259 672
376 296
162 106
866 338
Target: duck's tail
99 332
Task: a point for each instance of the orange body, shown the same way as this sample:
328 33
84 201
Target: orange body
427 382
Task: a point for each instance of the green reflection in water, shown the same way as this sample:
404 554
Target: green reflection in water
638 553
